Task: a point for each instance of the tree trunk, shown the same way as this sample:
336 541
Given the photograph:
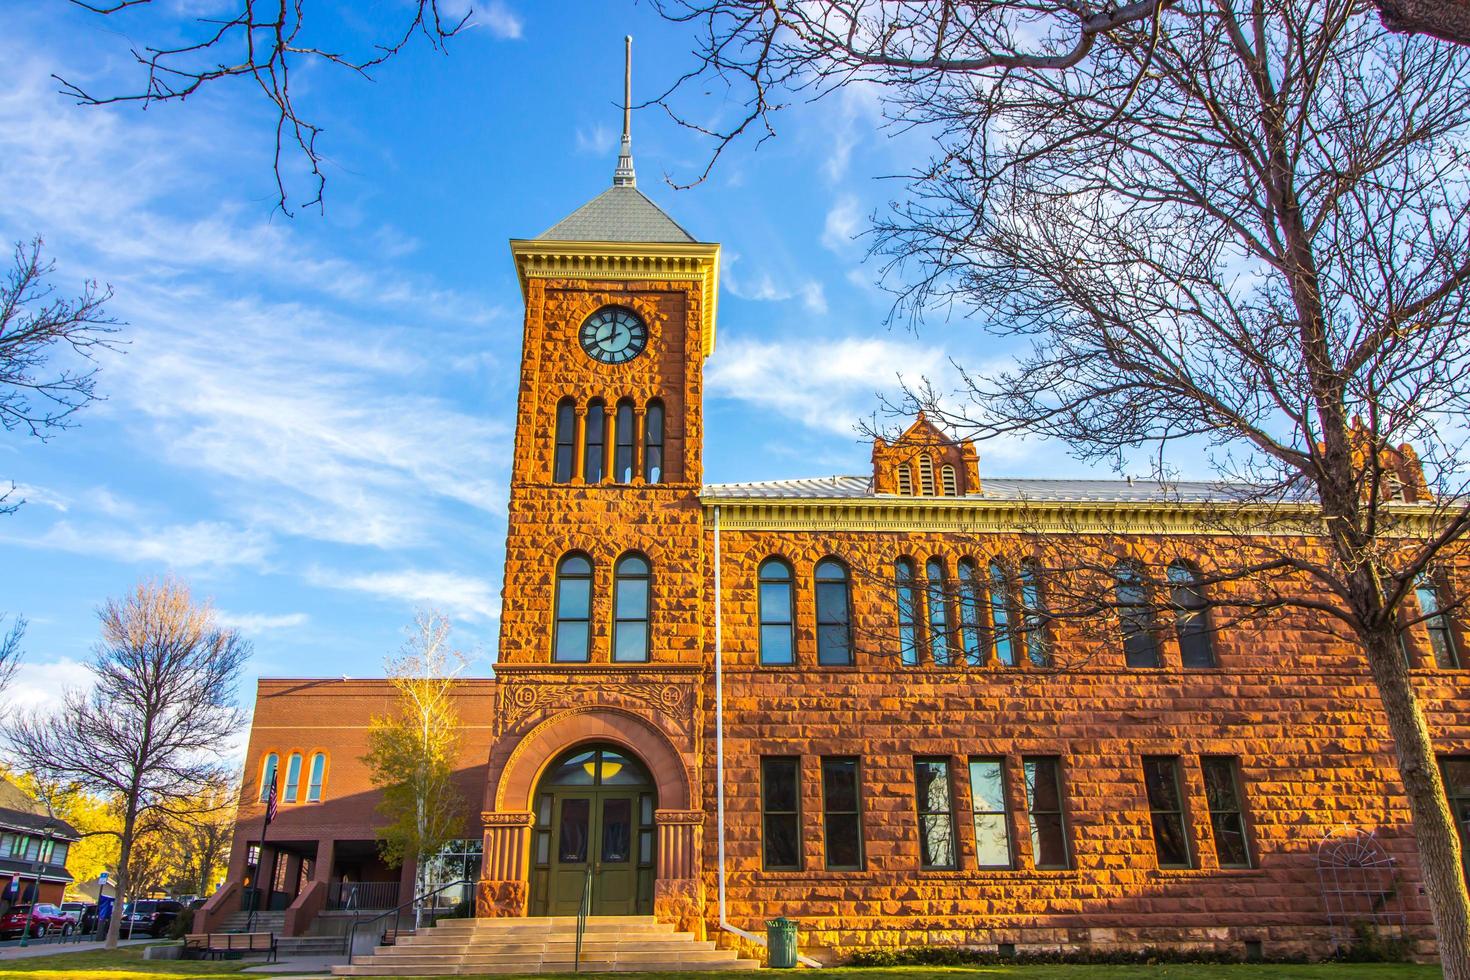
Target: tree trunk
1434 826
125 852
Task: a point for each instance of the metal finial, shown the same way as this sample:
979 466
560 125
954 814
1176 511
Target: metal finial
624 175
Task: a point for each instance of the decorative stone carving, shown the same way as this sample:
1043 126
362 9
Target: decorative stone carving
525 694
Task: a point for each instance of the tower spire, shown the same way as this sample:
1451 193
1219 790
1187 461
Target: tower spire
624 175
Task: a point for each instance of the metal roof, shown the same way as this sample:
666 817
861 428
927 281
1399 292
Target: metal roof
618 214
994 489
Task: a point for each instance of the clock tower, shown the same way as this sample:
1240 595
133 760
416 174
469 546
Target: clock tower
602 628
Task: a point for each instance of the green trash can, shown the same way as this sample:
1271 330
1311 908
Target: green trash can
781 943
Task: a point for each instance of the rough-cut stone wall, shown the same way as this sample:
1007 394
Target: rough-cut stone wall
651 708
1295 706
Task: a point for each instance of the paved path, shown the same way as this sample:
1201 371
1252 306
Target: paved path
51 949
297 965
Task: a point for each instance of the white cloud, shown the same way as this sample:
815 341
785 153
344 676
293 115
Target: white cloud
503 22
254 624
843 224
858 114
457 596
813 297
827 385
597 140
198 545
39 685
36 497
763 287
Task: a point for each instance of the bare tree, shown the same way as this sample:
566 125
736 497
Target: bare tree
150 731
39 390
1233 233
261 42
767 51
10 650
413 752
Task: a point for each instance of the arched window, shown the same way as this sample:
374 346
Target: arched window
834 614
1000 614
972 644
1191 624
318 778
564 466
653 442
630 608
905 481
594 448
1441 637
573 635
268 774
1135 618
1033 615
908 612
777 612
937 599
951 485
926 475
293 778
624 463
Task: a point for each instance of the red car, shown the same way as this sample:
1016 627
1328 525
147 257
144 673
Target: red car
47 920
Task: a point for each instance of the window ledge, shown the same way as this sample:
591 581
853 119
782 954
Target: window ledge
1207 872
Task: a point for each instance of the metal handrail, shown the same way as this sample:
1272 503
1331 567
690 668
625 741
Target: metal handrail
583 909
357 919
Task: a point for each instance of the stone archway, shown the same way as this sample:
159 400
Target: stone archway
517 766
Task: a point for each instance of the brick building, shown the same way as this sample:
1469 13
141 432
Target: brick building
839 699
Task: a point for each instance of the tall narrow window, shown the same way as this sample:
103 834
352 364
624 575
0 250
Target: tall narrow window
1227 810
564 467
834 614
1191 623
318 778
1135 618
1455 772
626 436
951 485
293 778
992 817
1045 808
653 442
630 608
937 599
594 448
908 612
777 608
842 819
905 480
1166 810
1437 624
1033 616
972 643
781 812
1000 615
573 635
268 775
926 475
936 814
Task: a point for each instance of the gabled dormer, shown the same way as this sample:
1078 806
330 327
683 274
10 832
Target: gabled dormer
925 462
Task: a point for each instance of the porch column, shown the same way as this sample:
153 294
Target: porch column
504 877
321 867
677 894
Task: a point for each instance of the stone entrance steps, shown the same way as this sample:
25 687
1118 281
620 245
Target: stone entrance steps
263 922
544 945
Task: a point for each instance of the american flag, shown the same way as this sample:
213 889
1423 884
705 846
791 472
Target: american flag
270 802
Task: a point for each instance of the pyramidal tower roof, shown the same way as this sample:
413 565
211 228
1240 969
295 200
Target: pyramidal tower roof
621 213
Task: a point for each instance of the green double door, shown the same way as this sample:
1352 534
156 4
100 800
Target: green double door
597 836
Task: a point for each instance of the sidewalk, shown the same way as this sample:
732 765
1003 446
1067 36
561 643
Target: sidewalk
8 953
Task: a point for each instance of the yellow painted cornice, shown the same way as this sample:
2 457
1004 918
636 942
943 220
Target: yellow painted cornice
968 515
697 261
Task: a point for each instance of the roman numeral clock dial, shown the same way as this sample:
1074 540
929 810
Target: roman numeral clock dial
613 335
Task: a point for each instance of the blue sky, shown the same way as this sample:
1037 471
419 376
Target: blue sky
311 419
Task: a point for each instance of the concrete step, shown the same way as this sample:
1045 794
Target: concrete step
379 970
428 945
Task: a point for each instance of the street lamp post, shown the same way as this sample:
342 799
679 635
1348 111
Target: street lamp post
44 852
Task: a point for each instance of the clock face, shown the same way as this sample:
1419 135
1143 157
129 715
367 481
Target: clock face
614 335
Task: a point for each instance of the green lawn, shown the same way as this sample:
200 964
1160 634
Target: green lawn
128 964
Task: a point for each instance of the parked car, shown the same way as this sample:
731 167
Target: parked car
86 915
46 920
74 910
150 916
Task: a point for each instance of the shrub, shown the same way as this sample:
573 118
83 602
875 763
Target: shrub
182 926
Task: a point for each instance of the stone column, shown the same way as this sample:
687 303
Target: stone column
677 895
505 874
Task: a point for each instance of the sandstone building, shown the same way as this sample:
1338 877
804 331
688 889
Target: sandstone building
839 699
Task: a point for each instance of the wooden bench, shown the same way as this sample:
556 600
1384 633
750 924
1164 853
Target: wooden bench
217 944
